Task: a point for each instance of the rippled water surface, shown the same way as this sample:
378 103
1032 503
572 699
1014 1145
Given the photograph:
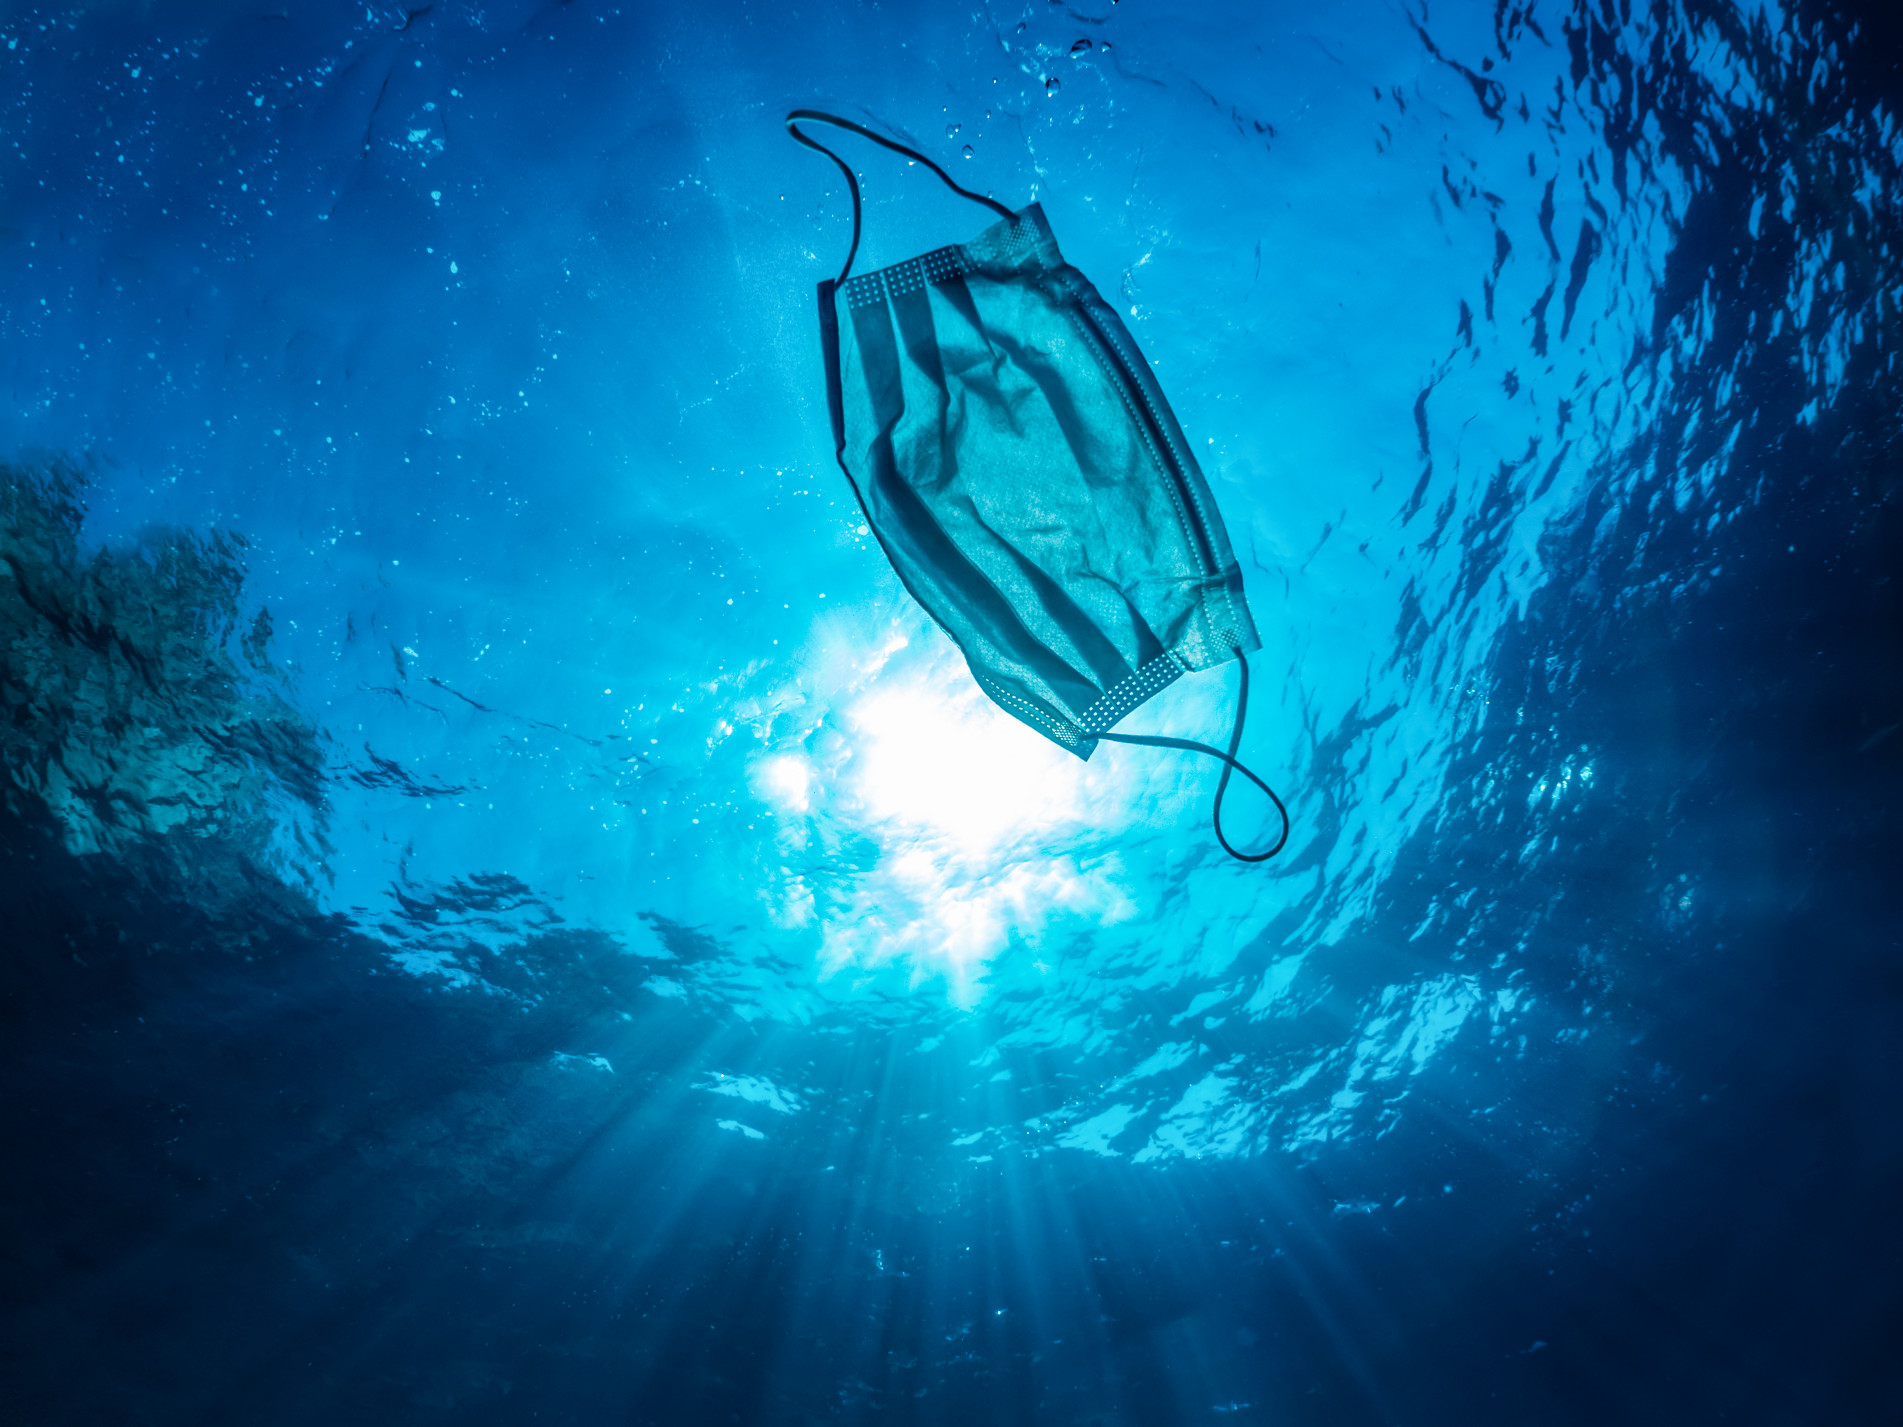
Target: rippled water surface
512 914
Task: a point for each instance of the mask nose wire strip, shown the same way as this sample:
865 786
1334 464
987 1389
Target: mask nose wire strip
817 116
1229 765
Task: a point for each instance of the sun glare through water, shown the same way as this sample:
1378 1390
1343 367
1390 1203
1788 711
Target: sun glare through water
976 821
941 767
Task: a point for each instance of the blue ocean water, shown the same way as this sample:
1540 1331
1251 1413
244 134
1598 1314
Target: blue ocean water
511 914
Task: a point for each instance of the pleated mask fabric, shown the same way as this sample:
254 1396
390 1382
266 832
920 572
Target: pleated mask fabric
1020 466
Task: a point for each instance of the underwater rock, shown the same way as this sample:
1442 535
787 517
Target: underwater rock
139 720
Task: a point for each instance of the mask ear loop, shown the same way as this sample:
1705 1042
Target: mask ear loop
817 116
1229 765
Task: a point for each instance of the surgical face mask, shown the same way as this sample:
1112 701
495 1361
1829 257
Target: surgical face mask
1023 472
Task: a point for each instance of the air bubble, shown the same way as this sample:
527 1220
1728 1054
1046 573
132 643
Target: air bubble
1052 85
951 130
1082 47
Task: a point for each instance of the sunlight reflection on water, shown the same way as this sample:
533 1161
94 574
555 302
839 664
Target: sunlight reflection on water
971 815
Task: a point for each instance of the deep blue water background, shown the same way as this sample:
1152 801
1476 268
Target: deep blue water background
509 915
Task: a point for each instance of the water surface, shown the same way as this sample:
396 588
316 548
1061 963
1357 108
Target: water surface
514 915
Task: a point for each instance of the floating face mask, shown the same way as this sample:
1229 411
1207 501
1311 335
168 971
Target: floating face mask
1024 474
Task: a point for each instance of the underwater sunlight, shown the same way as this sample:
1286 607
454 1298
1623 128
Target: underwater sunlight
547 629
